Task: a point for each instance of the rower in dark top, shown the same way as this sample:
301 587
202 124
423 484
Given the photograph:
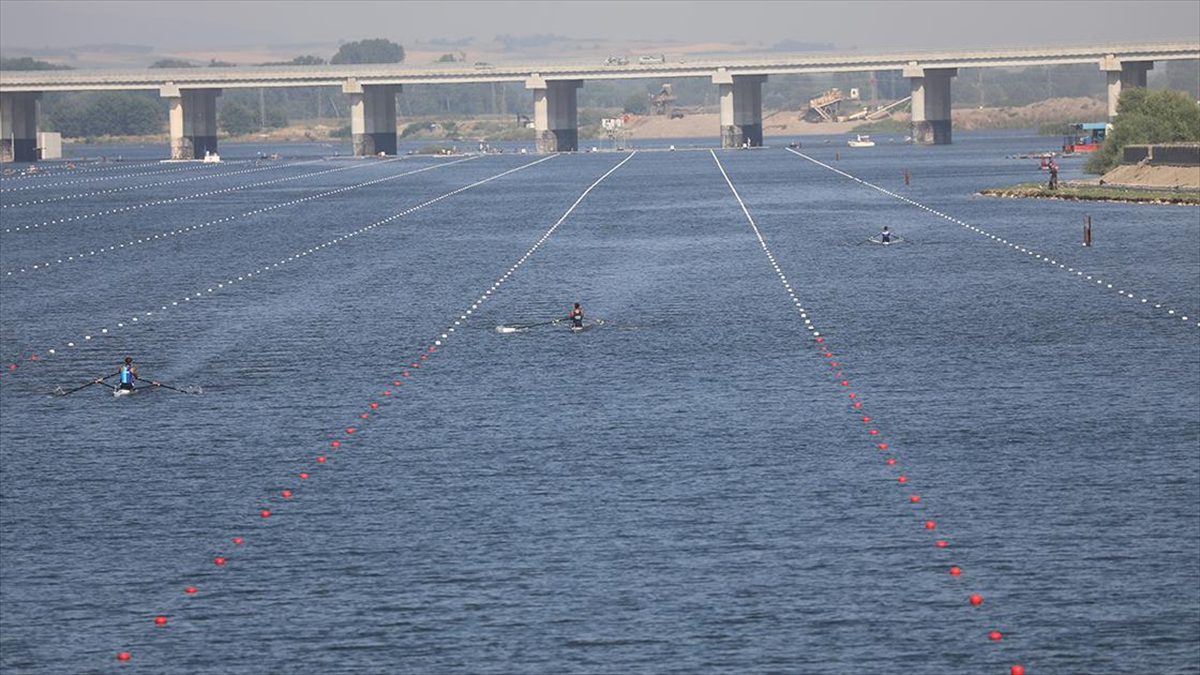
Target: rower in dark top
576 316
885 236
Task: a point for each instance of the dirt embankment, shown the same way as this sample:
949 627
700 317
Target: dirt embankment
1163 177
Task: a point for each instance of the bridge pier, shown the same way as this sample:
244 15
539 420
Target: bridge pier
741 109
930 104
19 126
192 120
555 113
1123 74
372 117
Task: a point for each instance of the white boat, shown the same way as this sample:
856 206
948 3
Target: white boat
861 141
211 157
119 392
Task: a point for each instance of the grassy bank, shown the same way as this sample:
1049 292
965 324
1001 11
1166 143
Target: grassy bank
1098 193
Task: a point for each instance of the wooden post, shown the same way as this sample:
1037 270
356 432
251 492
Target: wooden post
1087 230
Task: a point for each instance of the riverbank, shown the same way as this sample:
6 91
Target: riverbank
1087 191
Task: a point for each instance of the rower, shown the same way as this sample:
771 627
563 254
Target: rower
576 316
128 374
885 236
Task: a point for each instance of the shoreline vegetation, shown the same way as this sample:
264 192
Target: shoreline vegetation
1075 191
1043 116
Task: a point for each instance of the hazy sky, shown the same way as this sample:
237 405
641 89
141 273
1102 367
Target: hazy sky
867 26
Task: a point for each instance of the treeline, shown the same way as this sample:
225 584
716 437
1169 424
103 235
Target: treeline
1147 117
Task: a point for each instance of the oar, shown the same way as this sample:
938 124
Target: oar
535 325
60 392
167 386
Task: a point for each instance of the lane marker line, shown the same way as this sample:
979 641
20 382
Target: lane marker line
140 186
173 200
1121 290
147 238
335 442
837 365
136 174
213 288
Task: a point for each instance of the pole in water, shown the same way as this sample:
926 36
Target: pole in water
906 176
1087 230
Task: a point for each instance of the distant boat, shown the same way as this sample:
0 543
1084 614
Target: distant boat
861 141
211 157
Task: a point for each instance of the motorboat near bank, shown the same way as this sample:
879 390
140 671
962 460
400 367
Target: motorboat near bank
861 141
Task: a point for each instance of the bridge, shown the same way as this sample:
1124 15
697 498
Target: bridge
192 92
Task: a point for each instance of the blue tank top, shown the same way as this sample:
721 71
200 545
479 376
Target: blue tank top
126 375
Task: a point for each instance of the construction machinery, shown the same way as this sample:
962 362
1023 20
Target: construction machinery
663 103
825 107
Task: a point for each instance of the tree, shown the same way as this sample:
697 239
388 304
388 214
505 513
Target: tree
27 63
238 118
306 60
377 50
106 114
637 103
213 63
172 63
1145 116
446 58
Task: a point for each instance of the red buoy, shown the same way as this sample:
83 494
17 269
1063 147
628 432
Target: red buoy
363 416
219 561
349 430
891 461
190 590
387 392
335 444
265 513
160 621
930 525
395 383
976 600
914 499
955 572
995 636
940 543
853 395
882 446
238 541
902 480
286 494
123 656
321 459
303 475
374 406
866 419
1016 670
857 405
873 432
845 383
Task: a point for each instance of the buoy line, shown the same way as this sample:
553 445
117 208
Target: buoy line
173 200
141 186
214 288
1120 289
263 512
85 255
837 367
123 175
51 173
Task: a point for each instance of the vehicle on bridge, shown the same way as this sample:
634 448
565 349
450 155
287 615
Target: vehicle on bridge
652 59
616 61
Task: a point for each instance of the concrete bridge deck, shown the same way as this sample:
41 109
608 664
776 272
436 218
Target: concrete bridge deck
192 92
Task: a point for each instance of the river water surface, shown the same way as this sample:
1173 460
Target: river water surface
685 487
